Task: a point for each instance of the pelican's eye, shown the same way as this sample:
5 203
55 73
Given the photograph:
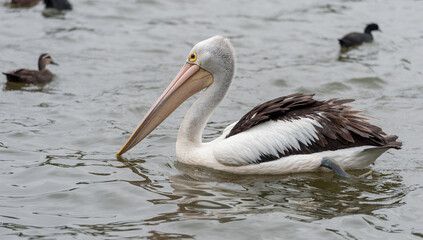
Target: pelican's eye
192 57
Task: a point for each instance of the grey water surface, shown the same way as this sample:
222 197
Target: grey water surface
60 178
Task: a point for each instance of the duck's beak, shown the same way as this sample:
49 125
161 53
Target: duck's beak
190 80
54 63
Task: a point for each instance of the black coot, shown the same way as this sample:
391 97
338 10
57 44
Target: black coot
58 4
355 38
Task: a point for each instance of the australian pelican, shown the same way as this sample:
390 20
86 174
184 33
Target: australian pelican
290 134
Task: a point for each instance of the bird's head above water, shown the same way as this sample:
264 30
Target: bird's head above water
44 60
215 55
210 62
371 27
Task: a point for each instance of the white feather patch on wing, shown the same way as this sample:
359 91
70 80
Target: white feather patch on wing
268 138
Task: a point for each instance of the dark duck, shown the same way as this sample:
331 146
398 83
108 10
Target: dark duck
355 38
43 75
58 4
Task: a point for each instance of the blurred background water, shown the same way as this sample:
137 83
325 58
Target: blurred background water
59 175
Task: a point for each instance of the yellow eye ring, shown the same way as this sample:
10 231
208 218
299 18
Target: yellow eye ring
192 57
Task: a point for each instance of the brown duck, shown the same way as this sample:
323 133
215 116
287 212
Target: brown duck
43 75
24 3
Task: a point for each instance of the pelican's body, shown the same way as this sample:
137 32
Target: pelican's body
286 135
207 154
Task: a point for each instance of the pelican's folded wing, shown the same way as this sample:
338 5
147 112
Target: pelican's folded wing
297 124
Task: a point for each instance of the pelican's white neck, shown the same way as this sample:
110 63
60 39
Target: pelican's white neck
192 127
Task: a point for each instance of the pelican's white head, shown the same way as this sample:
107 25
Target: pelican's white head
215 55
210 64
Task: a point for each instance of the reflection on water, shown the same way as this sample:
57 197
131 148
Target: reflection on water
363 53
202 193
54 13
12 86
134 167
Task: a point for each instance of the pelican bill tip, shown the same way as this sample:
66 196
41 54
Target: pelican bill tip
120 153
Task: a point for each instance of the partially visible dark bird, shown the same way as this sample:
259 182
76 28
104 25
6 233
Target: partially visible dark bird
43 75
24 3
58 4
355 38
